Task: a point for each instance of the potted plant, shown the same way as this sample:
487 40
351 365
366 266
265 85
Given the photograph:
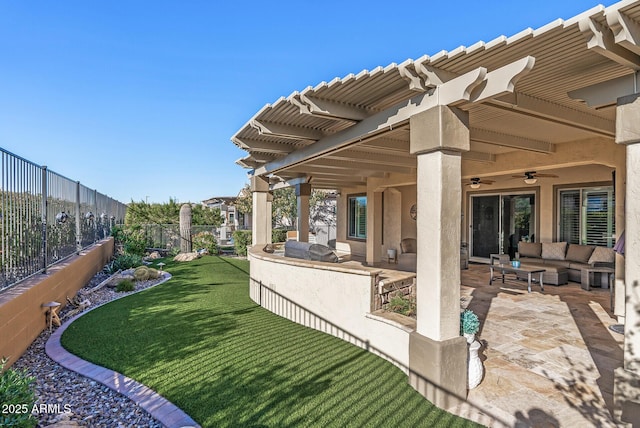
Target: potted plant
469 324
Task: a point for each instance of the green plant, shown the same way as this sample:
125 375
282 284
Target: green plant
205 240
125 285
403 305
241 239
469 322
123 262
131 238
278 235
153 273
17 397
141 273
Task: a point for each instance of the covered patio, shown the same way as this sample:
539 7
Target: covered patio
550 357
528 138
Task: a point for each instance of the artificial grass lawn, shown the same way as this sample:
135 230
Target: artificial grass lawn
199 341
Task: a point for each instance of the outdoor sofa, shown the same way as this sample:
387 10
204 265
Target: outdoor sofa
564 261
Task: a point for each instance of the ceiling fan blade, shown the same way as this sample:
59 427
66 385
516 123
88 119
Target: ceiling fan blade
546 175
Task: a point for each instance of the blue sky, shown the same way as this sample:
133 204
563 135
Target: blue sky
139 99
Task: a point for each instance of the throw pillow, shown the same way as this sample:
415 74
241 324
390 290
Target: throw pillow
602 255
529 249
579 253
554 250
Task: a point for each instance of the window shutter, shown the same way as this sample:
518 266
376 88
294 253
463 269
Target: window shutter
570 216
597 218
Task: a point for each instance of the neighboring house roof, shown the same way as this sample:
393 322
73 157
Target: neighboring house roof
527 94
227 200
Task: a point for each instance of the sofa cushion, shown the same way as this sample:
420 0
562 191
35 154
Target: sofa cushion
530 249
408 245
579 253
557 263
602 255
578 266
554 250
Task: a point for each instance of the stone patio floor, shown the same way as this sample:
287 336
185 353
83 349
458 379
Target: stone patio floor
549 356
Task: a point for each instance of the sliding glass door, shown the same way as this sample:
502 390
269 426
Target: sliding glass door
499 222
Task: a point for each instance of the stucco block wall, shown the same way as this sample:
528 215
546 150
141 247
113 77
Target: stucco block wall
22 317
337 303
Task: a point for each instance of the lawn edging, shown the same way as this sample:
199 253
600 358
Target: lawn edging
156 405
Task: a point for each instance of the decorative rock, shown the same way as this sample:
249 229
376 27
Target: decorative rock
90 403
154 255
186 257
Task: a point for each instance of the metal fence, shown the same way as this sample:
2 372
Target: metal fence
167 236
46 217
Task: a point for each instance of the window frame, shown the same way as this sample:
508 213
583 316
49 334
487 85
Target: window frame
350 236
583 191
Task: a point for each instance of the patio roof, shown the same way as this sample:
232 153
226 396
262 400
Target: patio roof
337 134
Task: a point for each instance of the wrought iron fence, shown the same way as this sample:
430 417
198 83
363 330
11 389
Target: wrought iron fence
46 217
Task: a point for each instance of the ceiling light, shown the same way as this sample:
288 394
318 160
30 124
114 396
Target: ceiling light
475 185
530 180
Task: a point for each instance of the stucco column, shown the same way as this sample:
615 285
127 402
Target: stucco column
303 191
627 378
374 225
437 353
261 215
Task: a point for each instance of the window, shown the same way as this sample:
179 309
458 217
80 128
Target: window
357 217
587 216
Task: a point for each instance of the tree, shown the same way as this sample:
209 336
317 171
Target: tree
169 213
320 212
244 201
206 216
285 206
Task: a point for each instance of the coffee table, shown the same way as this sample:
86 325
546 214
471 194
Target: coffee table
519 272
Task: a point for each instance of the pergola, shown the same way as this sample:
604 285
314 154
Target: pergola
556 97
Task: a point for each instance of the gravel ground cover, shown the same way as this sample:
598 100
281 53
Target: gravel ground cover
74 400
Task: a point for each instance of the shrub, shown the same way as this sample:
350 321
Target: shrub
125 285
205 240
131 238
403 305
241 239
153 273
16 389
278 235
141 273
124 262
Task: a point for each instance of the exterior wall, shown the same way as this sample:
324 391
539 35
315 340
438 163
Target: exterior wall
409 197
22 317
329 298
391 226
358 248
579 163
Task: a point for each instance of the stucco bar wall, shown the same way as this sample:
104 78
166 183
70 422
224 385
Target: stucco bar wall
329 298
22 317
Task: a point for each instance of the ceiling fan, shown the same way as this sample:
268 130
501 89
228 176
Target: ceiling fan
531 177
475 182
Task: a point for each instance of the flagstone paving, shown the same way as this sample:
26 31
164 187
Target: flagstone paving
548 356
